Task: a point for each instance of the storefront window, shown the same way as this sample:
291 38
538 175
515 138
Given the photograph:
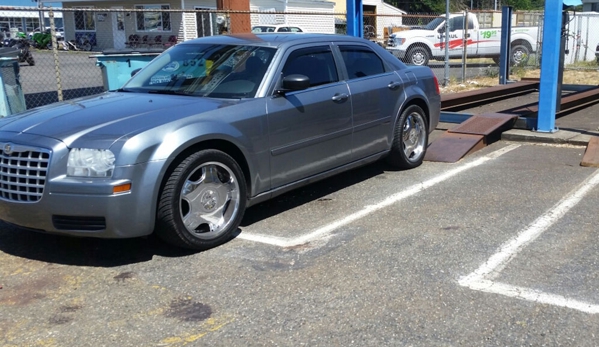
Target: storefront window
152 19
84 20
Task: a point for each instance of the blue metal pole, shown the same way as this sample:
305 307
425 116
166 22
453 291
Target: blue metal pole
550 65
504 51
355 18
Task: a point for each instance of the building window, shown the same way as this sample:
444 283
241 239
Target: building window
151 19
595 6
84 20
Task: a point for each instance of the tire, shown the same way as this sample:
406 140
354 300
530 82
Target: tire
417 56
519 55
410 139
30 60
496 60
86 46
202 201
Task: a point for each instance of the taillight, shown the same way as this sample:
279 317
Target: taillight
437 84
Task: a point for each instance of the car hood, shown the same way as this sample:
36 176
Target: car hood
414 33
107 116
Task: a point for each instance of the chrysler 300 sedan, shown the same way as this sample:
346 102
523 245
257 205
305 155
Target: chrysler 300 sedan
208 128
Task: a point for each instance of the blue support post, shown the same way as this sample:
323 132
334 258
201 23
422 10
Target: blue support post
550 65
355 18
506 38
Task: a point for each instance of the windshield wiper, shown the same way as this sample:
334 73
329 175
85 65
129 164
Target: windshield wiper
168 91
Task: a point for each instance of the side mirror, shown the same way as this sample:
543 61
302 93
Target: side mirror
294 82
135 71
441 30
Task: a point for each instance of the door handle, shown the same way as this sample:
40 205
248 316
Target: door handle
340 97
394 85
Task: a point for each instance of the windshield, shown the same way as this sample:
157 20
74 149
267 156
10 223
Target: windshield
263 29
432 25
209 70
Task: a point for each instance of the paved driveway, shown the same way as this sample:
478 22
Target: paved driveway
497 249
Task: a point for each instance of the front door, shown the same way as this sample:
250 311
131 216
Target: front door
310 130
118 28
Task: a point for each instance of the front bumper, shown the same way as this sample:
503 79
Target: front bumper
399 53
81 206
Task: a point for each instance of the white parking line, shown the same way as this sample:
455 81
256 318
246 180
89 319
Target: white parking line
367 210
482 278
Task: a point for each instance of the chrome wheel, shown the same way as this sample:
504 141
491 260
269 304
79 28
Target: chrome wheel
410 138
202 201
520 55
418 56
414 136
209 200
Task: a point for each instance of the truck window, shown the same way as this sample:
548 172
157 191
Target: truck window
456 23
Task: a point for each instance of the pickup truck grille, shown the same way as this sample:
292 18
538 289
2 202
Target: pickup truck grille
23 172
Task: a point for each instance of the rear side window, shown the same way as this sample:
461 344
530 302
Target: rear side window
317 63
361 62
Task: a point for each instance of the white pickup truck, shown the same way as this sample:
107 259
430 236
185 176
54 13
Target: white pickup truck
419 45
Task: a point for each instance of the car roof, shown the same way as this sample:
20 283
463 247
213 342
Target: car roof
276 26
275 40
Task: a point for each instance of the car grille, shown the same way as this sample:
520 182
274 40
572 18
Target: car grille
23 172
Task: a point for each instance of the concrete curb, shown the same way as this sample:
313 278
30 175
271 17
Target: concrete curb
558 137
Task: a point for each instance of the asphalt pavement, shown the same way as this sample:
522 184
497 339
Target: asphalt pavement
498 249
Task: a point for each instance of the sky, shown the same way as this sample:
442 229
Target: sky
27 3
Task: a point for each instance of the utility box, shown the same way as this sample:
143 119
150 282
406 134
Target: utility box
117 65
12 99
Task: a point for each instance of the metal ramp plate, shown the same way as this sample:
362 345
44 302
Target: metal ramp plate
468 137
484 124
451 147
591 155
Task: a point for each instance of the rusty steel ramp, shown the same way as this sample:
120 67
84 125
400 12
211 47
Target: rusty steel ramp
463 100
591 154
568 103
468 137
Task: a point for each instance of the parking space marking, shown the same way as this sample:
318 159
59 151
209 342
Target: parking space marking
326 230
482 278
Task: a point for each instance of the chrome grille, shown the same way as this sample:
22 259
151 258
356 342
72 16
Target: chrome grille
23 172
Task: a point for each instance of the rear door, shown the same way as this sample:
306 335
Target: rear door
310 130
376 91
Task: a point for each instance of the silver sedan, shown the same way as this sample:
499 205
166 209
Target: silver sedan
208 128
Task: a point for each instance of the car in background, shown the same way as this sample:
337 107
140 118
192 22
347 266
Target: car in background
277 29
212 126
597 53
59 32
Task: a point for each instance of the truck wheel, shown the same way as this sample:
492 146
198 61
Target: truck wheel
520 55
410 139
202 202
417 56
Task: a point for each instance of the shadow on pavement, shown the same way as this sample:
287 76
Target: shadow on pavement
83 251
313 192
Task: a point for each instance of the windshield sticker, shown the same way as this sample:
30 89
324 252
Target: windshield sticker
170 67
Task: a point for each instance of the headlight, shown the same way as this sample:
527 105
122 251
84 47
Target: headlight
86 162
401 41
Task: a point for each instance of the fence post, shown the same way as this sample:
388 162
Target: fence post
465 43
55 52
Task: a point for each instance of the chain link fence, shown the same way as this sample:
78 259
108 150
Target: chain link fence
66 46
